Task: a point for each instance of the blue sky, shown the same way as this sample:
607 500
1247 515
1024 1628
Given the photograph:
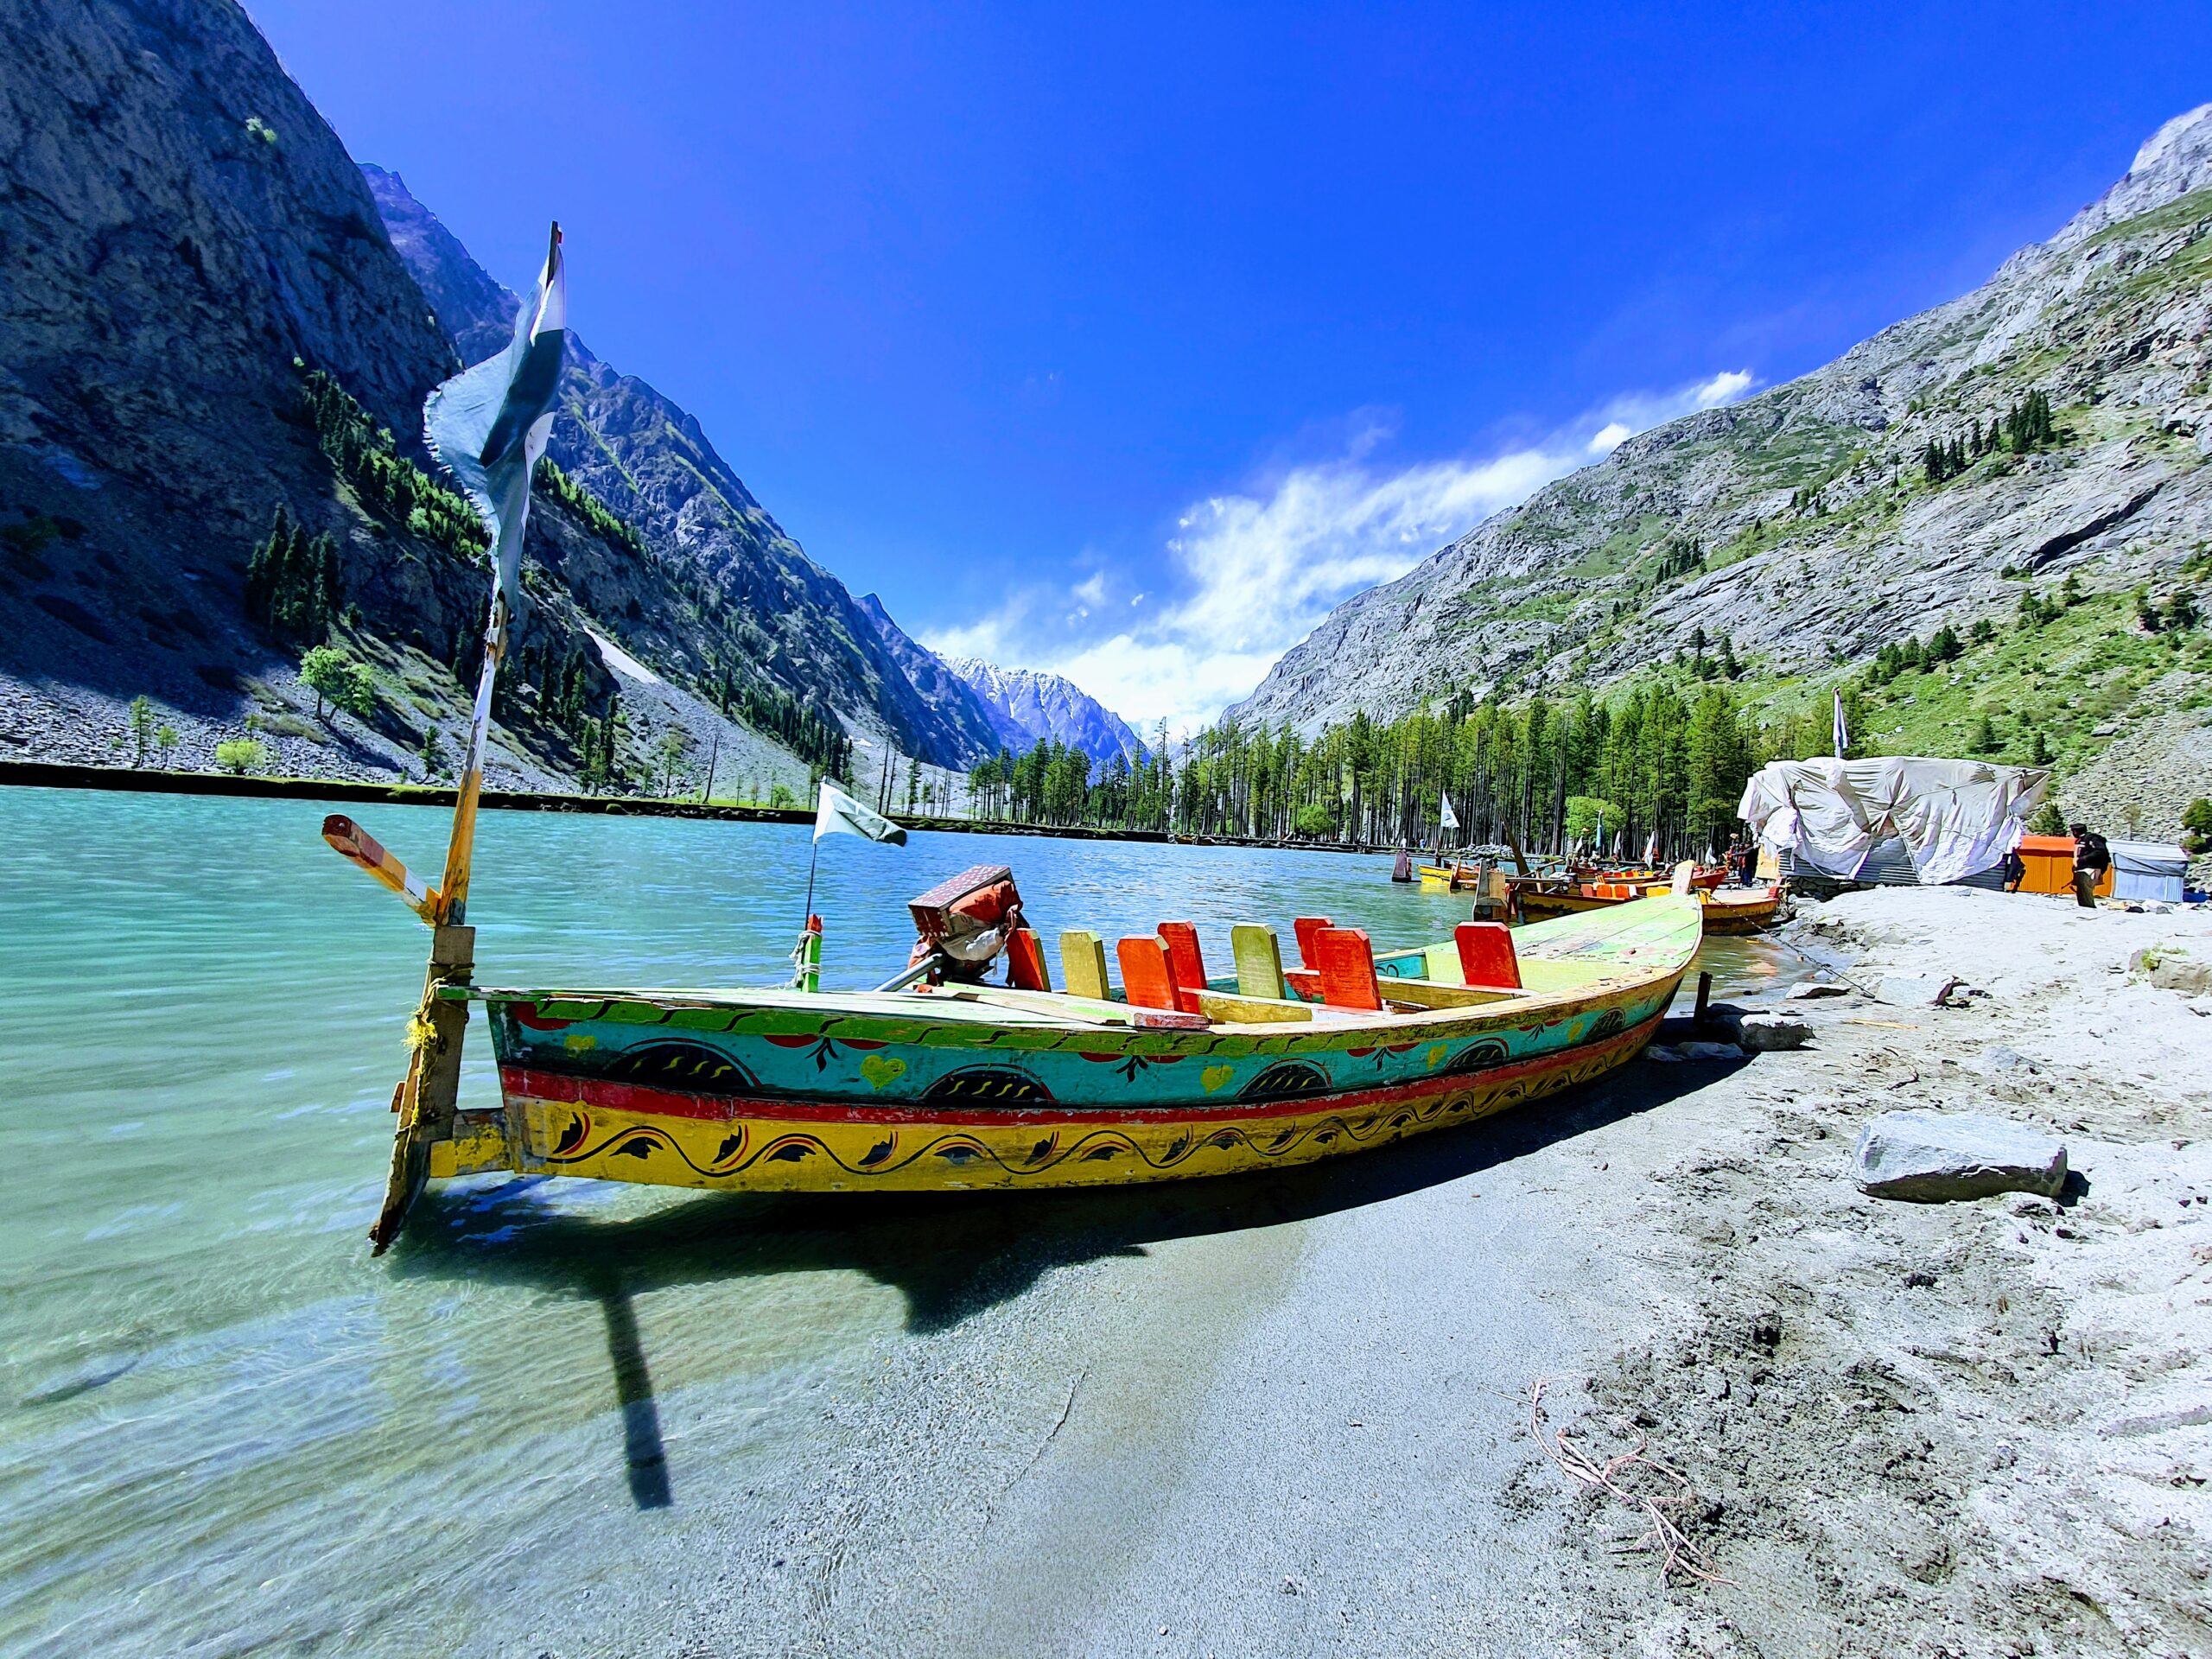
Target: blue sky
1125 339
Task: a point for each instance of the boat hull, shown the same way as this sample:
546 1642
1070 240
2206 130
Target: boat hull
555 1125
1538 906
782 1092
1724 916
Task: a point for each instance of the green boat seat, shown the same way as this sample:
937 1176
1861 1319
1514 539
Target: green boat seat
1259 961
1083 964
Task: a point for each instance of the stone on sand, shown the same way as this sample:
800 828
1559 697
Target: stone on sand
1759 1034
1931 1157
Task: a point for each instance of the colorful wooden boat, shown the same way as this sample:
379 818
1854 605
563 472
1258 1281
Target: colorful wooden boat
967 1087
955 1084
1727 910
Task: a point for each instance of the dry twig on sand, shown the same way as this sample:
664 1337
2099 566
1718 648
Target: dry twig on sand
1678 1554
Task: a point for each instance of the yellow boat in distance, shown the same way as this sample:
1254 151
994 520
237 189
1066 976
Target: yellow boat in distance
1448 878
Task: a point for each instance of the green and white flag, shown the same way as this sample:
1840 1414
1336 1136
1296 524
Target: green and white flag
488 424
838 814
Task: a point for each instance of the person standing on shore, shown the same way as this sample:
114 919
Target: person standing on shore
2092 858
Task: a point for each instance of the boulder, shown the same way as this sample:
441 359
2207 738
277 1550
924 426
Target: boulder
2172 968
1931 1157
1761 1034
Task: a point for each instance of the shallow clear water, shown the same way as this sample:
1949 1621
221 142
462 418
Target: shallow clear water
224 1427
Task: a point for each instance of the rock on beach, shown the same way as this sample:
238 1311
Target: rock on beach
1931 1157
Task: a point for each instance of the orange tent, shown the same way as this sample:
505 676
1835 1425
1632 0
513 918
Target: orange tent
2049 864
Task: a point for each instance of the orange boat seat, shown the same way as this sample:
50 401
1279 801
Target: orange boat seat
1306 927
1346 968
1025 961
1147 979
1487 960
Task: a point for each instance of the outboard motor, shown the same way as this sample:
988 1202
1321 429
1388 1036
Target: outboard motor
964 923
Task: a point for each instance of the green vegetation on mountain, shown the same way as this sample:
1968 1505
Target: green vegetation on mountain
1664 751
587 508
291 581
368 459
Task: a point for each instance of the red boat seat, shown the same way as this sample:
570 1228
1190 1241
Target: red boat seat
1185 964
1347 968
1487 960
1306 927
1025 961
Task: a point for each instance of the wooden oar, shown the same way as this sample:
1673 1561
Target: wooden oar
354 842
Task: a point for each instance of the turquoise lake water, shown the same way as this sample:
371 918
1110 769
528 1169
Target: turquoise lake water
227 1428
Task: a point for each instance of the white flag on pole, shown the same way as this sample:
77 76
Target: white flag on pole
1842 734
1446 818
838 814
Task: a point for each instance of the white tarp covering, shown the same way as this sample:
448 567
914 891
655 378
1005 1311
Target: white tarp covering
2145 869
1955 817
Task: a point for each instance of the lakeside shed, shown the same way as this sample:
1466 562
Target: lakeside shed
2149 869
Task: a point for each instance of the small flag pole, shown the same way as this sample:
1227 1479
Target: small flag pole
812 859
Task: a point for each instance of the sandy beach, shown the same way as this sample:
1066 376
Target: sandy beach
1294 1416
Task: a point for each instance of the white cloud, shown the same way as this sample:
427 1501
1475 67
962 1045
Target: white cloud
1725 388
1259 571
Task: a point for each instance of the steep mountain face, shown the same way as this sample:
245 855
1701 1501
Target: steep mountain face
182 236
1027 708
1804 523
752 602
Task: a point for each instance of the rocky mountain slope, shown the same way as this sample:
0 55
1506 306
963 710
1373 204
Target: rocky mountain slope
206 325
1804 523
1027 708
761 601
183 236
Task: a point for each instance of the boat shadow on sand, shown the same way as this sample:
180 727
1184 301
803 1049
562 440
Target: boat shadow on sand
951 1256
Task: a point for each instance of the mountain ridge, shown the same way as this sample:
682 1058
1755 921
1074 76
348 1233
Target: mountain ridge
1797 522
1031 706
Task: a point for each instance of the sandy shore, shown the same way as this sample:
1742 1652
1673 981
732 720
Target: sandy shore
1291 1416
